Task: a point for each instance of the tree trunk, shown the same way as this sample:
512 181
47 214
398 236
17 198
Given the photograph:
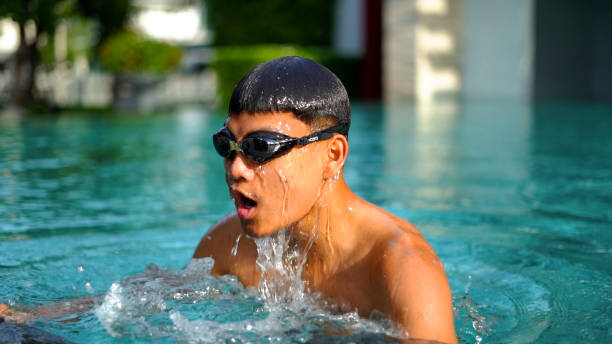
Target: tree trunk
26 58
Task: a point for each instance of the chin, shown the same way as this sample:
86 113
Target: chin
253 229
256 230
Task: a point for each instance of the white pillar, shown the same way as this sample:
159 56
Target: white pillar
422 49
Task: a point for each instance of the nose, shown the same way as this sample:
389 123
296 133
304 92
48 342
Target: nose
238 169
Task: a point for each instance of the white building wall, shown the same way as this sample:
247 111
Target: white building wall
497 48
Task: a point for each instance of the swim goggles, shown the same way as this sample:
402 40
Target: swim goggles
261 146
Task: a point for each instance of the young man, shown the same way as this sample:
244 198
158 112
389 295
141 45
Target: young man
284 145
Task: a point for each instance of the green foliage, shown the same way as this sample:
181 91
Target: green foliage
44 14
128 52
233 62
111 15
249 32
107 15
245 22
80 39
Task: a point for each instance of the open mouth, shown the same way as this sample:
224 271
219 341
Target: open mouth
244 205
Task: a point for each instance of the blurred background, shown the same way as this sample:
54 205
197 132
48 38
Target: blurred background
139 55
486 123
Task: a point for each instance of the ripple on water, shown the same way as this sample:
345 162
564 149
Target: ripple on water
497 305
191 305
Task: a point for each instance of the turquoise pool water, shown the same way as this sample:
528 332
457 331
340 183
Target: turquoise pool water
516 199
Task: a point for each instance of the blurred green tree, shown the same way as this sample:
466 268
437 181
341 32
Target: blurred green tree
37 21
129 52
111 16
248 32
247 22
136 62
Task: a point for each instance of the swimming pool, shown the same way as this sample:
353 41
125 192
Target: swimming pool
516 200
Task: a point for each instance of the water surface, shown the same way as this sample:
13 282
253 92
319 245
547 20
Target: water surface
516 200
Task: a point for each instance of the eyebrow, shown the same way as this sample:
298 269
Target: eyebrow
262 130
265 131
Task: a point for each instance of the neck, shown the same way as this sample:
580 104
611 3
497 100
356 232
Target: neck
326 234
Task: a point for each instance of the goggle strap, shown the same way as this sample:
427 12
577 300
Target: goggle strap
322 135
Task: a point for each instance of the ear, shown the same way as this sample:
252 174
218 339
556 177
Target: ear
335 156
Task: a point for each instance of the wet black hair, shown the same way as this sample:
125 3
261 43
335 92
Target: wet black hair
294 84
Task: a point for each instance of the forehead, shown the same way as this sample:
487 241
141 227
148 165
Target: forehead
280 122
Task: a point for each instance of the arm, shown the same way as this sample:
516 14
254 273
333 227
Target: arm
213 244
54 310
420 297
12 316
216 243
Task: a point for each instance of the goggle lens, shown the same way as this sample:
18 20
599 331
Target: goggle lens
263 146
222 145
256 146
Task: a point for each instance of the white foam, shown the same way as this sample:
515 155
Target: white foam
193 306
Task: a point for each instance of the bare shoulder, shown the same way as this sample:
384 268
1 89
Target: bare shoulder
219 237
218 242
407 256
232 252
416 286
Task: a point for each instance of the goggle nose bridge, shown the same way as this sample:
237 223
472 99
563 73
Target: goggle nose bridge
235 147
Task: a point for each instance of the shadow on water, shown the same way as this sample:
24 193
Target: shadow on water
13 334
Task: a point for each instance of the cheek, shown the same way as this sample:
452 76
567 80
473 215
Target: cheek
226 171
303 179
293 183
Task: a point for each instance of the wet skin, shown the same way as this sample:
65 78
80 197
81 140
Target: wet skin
360 256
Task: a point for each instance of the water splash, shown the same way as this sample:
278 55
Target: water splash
138 305
235 248
470 319
282 264
192 306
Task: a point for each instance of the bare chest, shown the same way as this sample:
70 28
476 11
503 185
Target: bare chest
349 291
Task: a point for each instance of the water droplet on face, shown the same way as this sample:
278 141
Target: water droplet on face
283 179
279 126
